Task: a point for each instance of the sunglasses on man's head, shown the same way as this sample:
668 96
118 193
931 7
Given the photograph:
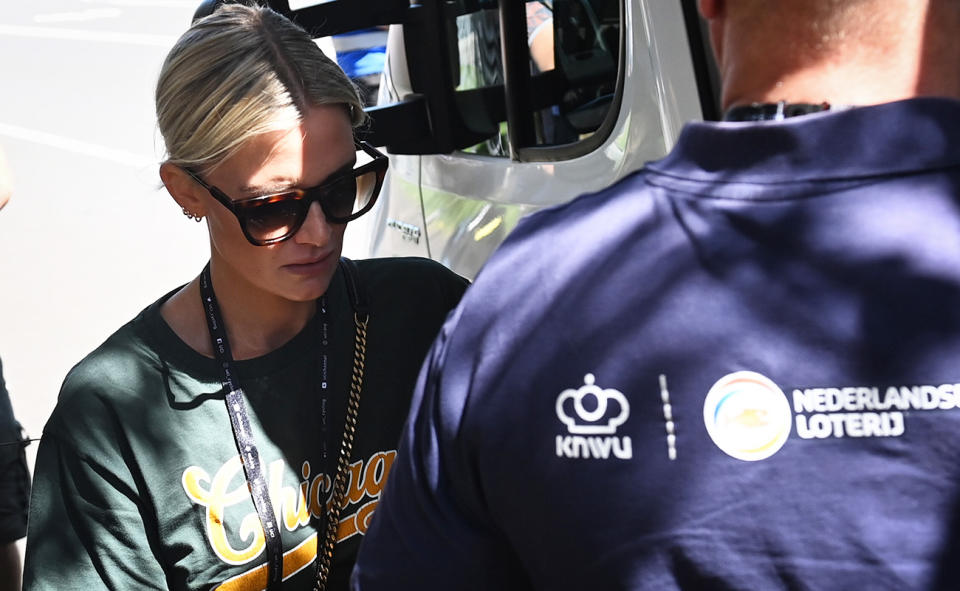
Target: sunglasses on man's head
269 219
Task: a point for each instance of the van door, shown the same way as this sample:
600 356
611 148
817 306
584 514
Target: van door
623 85
532 104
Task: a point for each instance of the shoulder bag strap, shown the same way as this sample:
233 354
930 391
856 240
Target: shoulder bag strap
361 316
355 291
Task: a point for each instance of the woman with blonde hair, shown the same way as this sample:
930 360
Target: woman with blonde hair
249 418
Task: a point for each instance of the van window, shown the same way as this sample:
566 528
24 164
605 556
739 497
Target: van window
573 49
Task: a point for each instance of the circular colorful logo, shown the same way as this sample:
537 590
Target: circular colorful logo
747 416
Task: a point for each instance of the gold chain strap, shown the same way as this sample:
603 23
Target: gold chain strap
343 461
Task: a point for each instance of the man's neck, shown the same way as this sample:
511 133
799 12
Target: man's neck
847 84
902 52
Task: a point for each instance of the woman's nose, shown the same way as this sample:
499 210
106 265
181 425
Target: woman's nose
315 229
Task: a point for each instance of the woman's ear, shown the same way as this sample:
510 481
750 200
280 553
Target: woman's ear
185 191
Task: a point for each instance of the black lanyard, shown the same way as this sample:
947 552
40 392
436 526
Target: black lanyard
240 421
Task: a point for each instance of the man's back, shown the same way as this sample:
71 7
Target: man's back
736 369
799 316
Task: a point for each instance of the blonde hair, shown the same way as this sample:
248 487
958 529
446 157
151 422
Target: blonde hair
240 72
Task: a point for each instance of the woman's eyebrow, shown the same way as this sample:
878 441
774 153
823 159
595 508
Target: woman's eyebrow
282 184
273 186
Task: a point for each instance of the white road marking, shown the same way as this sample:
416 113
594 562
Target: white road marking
298 4
164 41
90 14
76 146
192 4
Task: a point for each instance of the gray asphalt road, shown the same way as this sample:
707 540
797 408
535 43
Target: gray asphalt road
90 237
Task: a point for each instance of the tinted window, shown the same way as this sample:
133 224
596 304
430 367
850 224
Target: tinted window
573 47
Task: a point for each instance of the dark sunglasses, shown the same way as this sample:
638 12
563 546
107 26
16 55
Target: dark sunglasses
343 197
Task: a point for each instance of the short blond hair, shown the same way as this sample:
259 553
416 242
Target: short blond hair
242 71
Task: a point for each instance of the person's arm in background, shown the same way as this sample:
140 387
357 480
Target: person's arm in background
14 491
11 471
540 36
9 567
14 488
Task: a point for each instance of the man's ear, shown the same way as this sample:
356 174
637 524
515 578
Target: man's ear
185 191
711 9
715 12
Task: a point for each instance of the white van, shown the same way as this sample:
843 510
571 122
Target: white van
490 110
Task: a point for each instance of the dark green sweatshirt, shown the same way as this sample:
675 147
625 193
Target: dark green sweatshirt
138 481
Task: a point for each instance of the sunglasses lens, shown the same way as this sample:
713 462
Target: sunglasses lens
368 185
339 198
275 218
348 196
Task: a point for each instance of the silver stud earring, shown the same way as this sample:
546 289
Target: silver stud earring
191 215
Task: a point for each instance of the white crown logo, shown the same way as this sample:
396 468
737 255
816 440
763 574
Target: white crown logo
604 398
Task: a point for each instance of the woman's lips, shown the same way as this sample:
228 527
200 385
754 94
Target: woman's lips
309 266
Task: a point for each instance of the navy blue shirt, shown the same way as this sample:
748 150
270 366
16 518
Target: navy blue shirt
738 368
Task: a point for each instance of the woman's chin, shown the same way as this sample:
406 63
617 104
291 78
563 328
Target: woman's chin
308 290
